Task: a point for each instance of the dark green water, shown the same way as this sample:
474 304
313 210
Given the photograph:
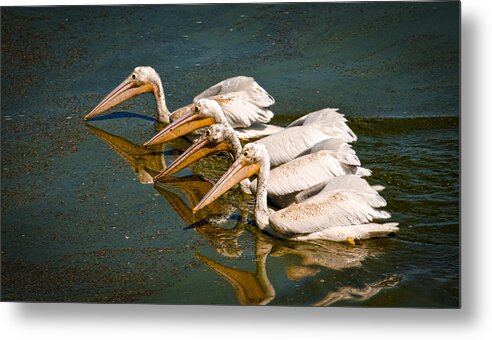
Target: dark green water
78 224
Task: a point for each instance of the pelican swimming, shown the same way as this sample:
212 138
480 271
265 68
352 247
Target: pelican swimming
324 160
243 101
311 128
341 209
207 112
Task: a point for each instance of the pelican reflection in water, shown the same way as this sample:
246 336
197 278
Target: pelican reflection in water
223 240
250 289
359 294
257 289
145 162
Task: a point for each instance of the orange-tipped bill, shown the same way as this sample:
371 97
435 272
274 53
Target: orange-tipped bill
200 149
184 125
126 90
236 173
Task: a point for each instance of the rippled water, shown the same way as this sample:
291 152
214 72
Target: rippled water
79 225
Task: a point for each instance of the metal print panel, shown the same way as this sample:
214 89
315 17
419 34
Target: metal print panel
356 204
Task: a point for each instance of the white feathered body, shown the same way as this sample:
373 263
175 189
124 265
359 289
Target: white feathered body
344 207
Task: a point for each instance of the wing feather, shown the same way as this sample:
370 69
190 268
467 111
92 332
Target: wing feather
339 148
246 87
354 184
363 172
319 213
243 101
345 200
241 113
228 85
302 173
330 121
290 143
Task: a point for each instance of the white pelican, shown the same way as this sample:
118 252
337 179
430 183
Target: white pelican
341 209
244 101
238 114
323 161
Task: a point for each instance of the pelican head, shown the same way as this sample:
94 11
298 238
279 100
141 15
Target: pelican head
253 160
218 132
143 79
205 113
216 138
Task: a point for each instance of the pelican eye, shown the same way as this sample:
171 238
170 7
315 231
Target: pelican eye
207 133
134 76
197 110
246 153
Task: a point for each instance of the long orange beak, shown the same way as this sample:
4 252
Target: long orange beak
236 173
184 125
200 149
126 90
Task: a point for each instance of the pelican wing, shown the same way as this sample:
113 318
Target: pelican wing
346 200
339 148
257 130
330 121
246 86
250 290
240 112
318 214
290 143
344 153
310 192
288 179
356 185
